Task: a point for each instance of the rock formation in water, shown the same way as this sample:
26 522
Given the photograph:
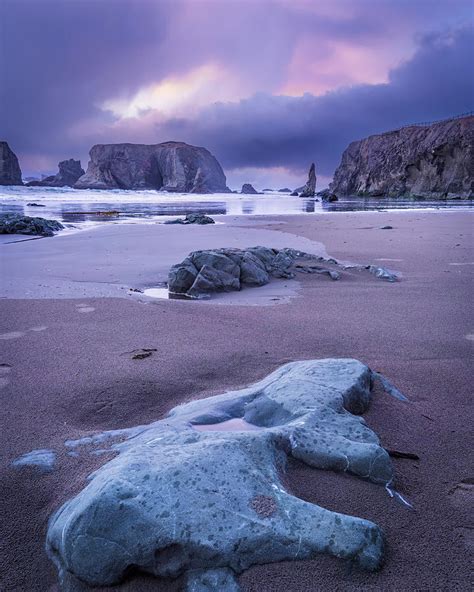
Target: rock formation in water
185 497
434 161
249 189
69 172
10 172
18 224
171 166
310 188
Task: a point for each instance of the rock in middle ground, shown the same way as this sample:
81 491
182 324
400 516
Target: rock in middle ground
17 224
181 499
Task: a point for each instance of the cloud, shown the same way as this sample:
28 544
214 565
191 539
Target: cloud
271 131
79 72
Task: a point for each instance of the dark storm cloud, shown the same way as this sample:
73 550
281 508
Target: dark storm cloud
267 130
60 60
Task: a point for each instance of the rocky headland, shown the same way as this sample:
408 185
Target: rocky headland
435 161
170 166
10 172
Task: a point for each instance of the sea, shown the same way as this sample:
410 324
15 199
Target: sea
80 208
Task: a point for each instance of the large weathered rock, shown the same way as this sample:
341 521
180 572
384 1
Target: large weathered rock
171 166
69 172
17 224
420 161
223 270
10 172
248 189
200 493
310 188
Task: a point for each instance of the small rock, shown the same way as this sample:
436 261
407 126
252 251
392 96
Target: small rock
35 205
193 218
247 188
388 227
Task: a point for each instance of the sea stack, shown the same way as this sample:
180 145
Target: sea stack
170 166
248 189
69 172
10 172
309 189
433 161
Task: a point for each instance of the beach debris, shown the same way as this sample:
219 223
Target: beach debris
35 205
388 227
248 189
400 454
192 218
18 224
135 290
178 500
141 354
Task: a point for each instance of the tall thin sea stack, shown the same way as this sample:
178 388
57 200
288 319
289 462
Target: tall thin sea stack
309 189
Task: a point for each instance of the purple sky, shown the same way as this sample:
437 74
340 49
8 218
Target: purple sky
267 86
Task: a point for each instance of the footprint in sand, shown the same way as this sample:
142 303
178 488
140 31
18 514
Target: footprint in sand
4 369
84 308
12 335
16 334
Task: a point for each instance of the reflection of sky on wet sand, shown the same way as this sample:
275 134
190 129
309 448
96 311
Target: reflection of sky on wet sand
80 207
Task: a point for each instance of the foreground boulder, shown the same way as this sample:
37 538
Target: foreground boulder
193 218
10 172
69 172
171 166
248 189
434 161
17 224
310 188
199 492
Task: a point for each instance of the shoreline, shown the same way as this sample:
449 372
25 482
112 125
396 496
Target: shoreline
75 377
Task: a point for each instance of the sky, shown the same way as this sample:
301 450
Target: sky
268 86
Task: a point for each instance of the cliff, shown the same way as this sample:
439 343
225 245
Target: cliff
171 166
421 161
10 172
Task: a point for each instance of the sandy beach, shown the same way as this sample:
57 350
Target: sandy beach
69 323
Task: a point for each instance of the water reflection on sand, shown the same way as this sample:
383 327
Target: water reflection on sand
83 207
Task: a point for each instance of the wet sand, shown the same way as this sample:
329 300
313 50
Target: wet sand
67 371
